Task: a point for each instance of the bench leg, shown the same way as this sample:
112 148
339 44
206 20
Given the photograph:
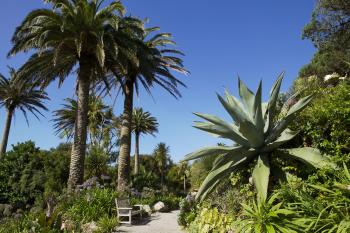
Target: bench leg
130 217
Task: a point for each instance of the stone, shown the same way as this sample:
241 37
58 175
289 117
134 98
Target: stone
147 209
18 216
67 226
90 227
159 207
7 210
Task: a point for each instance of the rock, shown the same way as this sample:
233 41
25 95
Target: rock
17 216
147 209
7 210
67 226
159 207
19 211
90 227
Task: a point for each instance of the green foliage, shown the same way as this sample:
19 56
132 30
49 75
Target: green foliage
107 224
326 123
96 162
211 220
322 205
258 138
91 205
266 217
28 174
188 212
170 200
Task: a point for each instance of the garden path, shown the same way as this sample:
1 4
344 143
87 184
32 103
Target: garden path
157 223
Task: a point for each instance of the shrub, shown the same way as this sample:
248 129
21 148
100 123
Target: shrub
107 224
267 217
27 174
91 205
188 212
211 220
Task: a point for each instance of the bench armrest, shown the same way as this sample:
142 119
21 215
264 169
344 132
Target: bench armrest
124 208
139 206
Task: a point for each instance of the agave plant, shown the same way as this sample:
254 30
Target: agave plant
257 137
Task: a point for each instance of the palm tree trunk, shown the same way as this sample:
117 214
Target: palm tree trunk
125 138
6 132
137 155
76 171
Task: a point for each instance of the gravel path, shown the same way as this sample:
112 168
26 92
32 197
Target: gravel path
157 223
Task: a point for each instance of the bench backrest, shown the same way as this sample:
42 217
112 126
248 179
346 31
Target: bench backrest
122 203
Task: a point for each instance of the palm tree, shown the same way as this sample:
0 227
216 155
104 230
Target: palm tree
161 155
16 94
150 63
72 33
142 123
100 116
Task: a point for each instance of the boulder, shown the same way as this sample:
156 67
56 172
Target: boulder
90 227
67 226
7 210
159 207
147 209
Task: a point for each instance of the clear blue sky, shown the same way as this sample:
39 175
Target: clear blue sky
222 39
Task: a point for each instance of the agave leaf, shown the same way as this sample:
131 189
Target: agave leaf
225 158
211 151
247 97
234 108
261 176
216 175
271 109
249 131
221 128
286 136
283 124
258 117
308 155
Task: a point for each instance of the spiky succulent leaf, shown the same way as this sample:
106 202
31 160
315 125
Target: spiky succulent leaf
247 97
221 128
216 175
286 136
234 107
307 155
212 151
270 112
283 124
261 175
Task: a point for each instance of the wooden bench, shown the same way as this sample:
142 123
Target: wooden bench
124 209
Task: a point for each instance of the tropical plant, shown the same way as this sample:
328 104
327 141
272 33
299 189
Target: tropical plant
161 156
142 123
100 118
266 217
15 94
211 220
257 138
66 35
151 63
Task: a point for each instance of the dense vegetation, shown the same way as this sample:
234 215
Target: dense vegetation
287 168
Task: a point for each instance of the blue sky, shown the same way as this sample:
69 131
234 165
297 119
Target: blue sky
250 38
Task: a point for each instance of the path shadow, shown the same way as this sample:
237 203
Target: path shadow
141 221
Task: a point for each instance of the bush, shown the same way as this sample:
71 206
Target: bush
211 220
171 201
107 224
92 205
27 174
188 212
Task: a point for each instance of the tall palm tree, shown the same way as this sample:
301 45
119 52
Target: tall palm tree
100 116
16 94
161 155
149 62
142 123
72 33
